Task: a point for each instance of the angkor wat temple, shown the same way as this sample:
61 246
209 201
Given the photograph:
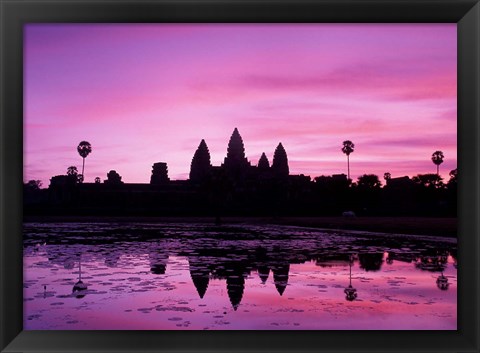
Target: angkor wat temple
235 188
236 168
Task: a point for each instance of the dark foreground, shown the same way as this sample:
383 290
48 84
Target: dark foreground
441 227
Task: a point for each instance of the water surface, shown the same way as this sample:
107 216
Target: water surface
194 276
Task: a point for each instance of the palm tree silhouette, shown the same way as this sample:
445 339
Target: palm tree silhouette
72 171
73 176
437 158
387 176
79 289
350 292
84 149
348 148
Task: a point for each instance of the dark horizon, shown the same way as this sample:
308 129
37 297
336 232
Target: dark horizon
236 162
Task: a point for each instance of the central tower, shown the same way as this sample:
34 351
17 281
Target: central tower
235 159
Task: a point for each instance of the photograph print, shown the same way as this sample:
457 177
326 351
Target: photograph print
240 177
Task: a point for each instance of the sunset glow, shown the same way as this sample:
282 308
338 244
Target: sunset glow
146 93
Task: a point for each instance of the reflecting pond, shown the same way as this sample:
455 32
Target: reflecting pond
94 276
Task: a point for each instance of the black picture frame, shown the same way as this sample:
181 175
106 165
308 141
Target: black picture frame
15 13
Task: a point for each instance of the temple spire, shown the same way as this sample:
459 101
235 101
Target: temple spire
280 162
280 277
235 151
200 275
263 272
263 163
200 167
235 288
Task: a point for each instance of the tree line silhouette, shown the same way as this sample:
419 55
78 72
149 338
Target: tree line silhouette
239 188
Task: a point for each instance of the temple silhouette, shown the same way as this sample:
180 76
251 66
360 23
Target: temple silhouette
236 168
236 187
239 188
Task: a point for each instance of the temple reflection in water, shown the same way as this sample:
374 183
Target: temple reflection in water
234 254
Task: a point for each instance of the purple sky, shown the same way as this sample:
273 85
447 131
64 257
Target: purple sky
149 93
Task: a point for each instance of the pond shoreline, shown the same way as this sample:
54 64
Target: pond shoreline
439 227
